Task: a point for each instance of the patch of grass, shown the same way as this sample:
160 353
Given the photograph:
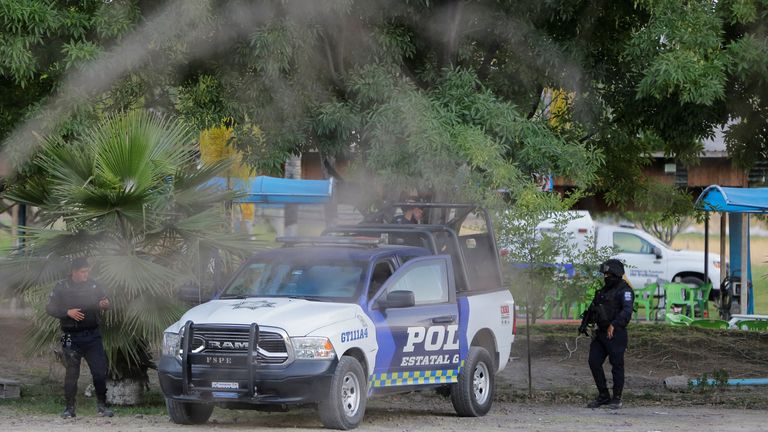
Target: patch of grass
6 240
760 287
39 399
719 381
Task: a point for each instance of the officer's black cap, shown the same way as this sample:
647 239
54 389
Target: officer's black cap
414 201
612 266
79 263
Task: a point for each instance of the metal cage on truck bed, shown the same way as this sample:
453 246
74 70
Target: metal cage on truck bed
472 247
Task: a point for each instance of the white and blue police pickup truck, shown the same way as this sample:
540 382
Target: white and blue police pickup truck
333 320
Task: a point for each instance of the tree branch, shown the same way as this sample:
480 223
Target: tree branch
452 39
536 102
331 64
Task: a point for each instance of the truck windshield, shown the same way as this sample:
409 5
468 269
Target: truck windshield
315 281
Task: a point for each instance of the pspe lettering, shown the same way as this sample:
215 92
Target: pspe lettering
434 338
352 335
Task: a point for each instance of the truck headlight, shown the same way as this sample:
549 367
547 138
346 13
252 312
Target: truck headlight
313 348
171 344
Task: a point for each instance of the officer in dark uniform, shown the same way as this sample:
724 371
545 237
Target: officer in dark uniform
78 302
412 213
611 310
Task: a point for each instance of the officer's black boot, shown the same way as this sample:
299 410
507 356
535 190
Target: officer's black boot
603 398
69 410
616 401
102 409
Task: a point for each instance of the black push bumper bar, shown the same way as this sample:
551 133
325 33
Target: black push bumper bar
188 358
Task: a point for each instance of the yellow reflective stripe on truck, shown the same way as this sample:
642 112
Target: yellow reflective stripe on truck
440 376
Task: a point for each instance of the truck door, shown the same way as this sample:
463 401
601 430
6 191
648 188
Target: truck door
641 261
418 339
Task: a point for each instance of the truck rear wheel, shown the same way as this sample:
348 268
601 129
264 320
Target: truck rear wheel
344 405
188 413
472 395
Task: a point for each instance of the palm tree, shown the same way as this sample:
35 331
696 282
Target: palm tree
131 195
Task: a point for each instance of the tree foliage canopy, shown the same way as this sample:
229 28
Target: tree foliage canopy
450 96
130 195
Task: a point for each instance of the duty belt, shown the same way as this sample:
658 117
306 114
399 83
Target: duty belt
84 332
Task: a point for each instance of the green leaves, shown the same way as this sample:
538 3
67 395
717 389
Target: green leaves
276 45
744 11
78 52
16 59
138 151
418 93
37 34
394 45
748 58
115 18
679 52
130 195
201 104
698 80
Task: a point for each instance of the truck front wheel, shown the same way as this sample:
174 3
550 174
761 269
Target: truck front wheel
692 280
188 413
344 406
472 395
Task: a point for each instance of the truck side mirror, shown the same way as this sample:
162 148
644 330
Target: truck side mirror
657 252
397 299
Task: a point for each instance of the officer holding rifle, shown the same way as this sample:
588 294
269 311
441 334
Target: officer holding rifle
610 311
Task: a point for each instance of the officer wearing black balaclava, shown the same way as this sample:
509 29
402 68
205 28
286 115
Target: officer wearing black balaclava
611 310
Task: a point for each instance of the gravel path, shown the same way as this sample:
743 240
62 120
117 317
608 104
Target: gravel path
431 415
556 372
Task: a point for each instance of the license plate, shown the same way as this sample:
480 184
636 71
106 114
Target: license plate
225 385
224 395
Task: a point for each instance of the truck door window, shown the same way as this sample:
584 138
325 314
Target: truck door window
381 272
428 281
630 243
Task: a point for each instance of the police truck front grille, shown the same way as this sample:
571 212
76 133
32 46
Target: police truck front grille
271 348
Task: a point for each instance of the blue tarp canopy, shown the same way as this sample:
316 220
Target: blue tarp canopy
272 190
734 200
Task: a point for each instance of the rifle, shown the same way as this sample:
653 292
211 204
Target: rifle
588 317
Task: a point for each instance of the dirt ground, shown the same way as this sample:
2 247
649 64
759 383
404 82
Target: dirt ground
561 386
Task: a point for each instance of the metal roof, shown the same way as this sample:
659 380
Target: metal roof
273 190
734 200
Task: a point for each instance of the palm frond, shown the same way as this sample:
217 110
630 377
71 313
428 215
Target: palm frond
129 277
45 258
35 192
129 330
66 165
195 178
43 334
194 187
21 274
148 316
139 148
133 200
